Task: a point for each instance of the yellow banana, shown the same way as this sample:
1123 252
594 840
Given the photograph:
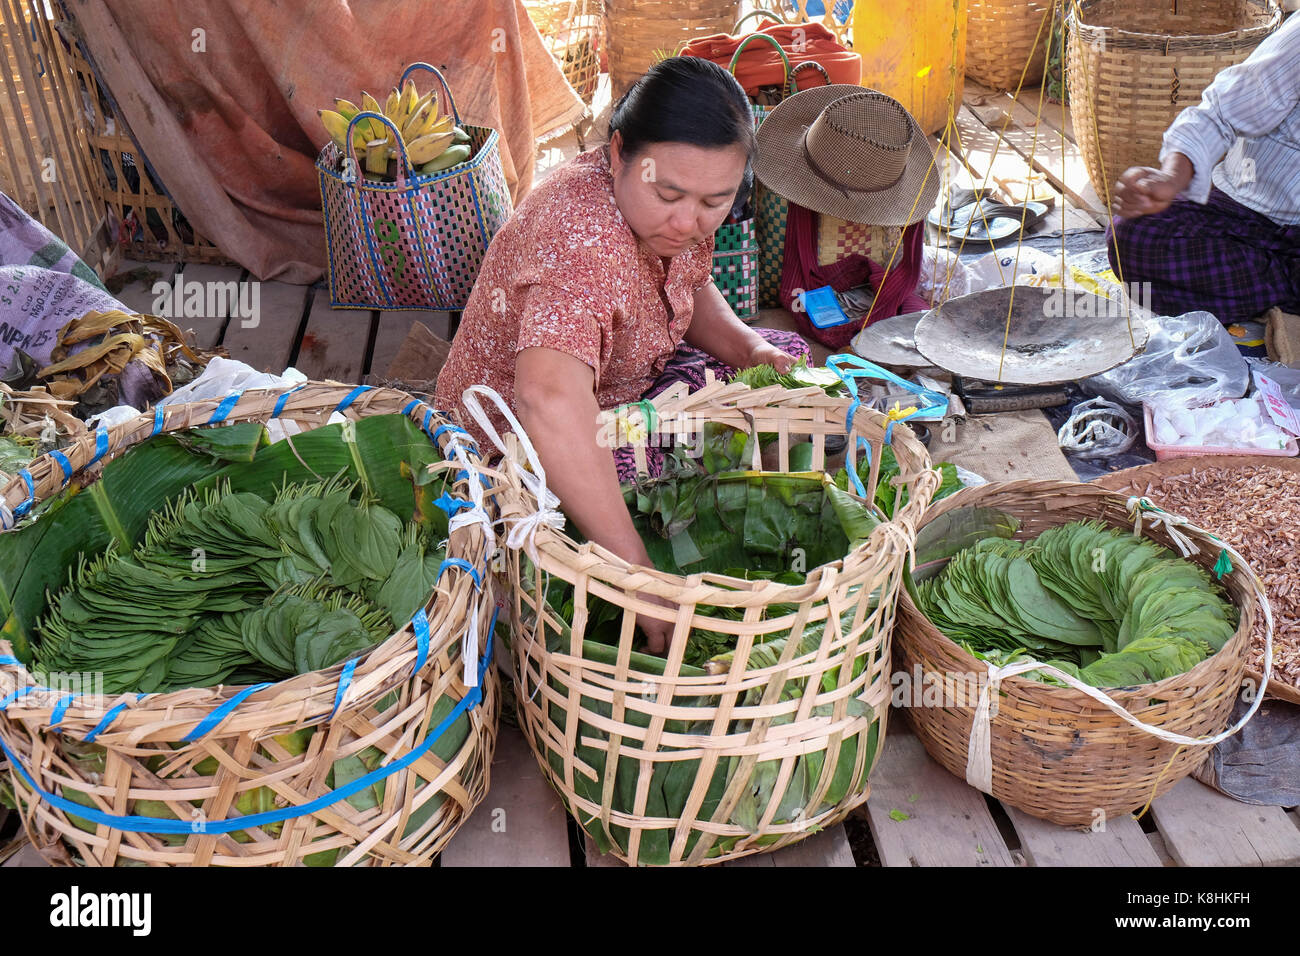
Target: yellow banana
461 135
337 126
426 112
347 108
427 148
391 106
377 130
377 156
409 98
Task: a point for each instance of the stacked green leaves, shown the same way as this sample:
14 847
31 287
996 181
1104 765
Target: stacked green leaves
229 587
1104 606
801 375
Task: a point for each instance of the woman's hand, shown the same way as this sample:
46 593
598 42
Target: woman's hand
556 403
768 354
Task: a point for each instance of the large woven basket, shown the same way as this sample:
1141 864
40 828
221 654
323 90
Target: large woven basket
1006 39
638 32
572 30
646 727
197 752
1056 753
1133 67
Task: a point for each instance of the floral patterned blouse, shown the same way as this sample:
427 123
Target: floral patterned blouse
567 273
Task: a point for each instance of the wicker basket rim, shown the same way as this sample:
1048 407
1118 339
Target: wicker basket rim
1164 41
319 687
1075 698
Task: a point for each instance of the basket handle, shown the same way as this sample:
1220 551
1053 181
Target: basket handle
421 65
735 58
397 137
806 64
759 13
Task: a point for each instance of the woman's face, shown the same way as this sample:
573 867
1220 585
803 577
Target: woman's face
673 195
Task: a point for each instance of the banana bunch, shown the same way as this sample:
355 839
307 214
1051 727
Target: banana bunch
433 142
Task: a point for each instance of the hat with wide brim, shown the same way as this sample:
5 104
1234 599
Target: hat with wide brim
848 152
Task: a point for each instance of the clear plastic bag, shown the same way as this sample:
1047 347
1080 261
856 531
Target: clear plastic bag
1189 360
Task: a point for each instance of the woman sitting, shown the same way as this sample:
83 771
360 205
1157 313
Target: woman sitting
598 292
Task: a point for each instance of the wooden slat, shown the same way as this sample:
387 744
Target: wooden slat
208 328
334 346
1054 156
138 296
1203 827
521 822
989 163
392 330
948 823
1121 843
26 855
267 345
829 848
595 858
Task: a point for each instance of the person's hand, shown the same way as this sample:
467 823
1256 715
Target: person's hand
768 354
1142 191
658 633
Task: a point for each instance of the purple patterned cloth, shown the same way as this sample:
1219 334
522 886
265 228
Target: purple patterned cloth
1221 257
689 365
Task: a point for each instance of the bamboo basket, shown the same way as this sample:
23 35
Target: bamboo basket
638 32
115 160
1132 68
1057 754
44 157
1005 38
571 30
152 745
572 707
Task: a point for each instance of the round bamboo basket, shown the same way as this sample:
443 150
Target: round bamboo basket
1057 754
1132 68
1137 481
572 32
197 753
638 32
615 734
1005 39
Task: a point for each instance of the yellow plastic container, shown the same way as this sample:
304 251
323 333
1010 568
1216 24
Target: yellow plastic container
907 49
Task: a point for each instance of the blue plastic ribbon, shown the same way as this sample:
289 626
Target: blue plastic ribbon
849 368
158 415
345 679
224 408
62 459
461 563
452 505
284 397
60 709
208 723
420 623
351 397
104 721
8 660
26 505
101 444
411 406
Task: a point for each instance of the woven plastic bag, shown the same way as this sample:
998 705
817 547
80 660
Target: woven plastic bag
416 243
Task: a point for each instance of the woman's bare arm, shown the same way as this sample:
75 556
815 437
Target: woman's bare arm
556 403
715 329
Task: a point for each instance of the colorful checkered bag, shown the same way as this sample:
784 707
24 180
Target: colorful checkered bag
417 243
735 266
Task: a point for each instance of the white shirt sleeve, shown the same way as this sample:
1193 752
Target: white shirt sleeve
1245 101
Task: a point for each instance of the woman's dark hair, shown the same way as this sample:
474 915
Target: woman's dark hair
686 99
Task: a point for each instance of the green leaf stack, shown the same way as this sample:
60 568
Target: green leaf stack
1107 607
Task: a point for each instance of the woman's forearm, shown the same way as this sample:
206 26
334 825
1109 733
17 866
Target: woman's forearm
715 329
560 418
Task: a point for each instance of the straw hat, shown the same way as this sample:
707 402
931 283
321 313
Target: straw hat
848 152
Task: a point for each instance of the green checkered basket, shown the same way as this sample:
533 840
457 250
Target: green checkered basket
735 266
